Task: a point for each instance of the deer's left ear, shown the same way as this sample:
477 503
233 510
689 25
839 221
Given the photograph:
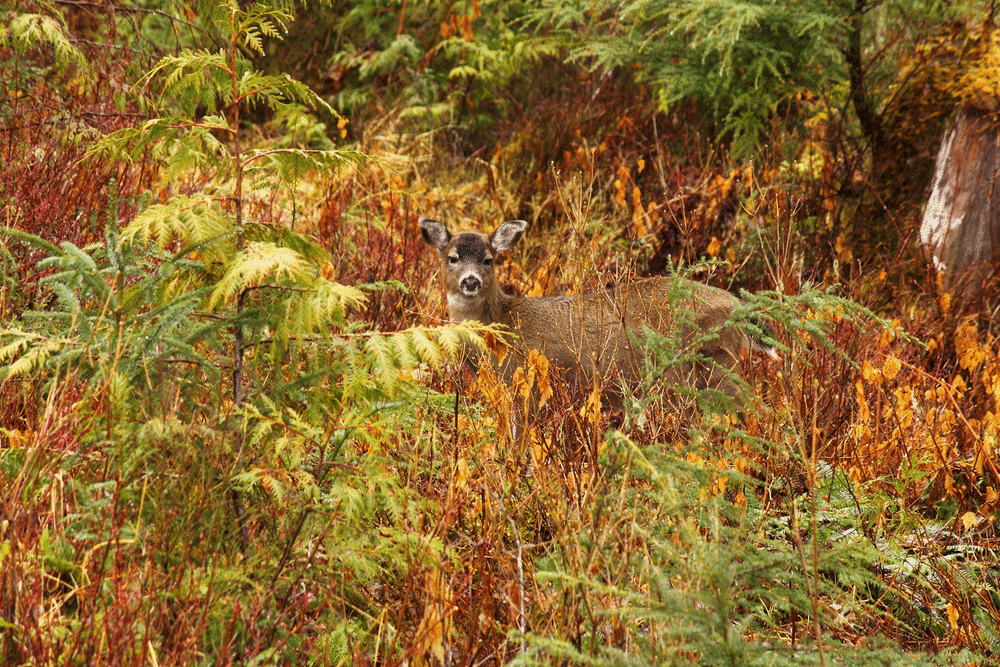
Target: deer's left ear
507 234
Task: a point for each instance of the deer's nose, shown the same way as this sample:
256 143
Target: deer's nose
471 285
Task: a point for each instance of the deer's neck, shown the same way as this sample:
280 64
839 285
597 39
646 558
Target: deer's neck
488 308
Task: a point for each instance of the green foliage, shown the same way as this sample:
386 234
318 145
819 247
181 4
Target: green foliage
737 59
689 556
120 303
214 447
111 314
436 65
218 372
744 63
34 31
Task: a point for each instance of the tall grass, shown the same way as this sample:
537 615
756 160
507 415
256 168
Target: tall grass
843 514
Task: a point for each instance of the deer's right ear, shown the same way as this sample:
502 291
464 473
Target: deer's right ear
435 234
507 234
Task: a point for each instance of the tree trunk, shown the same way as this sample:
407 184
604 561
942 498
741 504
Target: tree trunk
961 224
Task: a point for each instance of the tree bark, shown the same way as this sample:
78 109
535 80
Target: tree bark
961 223
864 105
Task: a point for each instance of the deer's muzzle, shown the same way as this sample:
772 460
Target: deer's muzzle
471 285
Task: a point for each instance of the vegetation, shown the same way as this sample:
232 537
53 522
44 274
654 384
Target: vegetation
234 428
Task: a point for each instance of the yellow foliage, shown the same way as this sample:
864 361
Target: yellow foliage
991 380
887 337
970 354
435 625
945 301
714 246
591 410
985 451
621 178
540 276
862 433
904 405
979 83
695 459
952 616
539 449
496 346
538 374
871 374
461 473
864 412
640 228
891 368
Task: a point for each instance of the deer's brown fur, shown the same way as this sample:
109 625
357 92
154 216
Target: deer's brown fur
597 336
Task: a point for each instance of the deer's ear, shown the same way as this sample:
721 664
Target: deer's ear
435 234
507 234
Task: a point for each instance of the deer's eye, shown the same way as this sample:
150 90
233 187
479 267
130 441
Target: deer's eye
488 261
453 259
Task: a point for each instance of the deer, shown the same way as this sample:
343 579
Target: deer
596 338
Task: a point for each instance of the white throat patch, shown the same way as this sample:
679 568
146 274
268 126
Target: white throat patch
459 301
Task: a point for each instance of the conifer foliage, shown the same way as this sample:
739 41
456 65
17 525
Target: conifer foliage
208 352
230 431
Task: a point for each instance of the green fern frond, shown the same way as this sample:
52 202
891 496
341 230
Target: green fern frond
28 31
252 39
190 220
291 165
406 353
286 238
385 355
34 358
178 142
255 87
261 21
258 264
425 347
383 358
195 77
455 338
28 352
323 305
21 340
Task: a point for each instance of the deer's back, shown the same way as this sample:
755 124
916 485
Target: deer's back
599 334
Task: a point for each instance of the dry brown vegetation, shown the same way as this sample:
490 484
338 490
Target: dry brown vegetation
358 498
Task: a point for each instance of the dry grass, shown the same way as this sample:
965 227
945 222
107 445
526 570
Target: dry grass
854 505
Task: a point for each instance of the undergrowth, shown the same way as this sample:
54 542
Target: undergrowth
235 429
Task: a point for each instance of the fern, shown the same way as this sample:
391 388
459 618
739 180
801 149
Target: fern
258 21
737 58
192 220
322 306
27 353
256 266
291 165
27 31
